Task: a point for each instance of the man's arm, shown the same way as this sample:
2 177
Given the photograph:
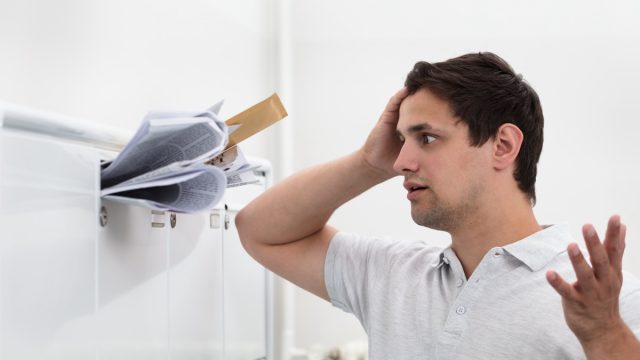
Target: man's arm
285 228
591 304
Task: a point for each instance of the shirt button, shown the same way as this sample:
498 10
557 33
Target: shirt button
461 310
459 282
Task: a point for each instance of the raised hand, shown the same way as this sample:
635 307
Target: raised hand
382 146
591 304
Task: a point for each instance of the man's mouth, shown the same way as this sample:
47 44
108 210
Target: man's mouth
414 190
417 188
414 186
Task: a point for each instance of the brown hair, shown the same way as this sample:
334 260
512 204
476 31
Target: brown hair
484 92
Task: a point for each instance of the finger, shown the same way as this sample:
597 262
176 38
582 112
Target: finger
623 234
597 253
560 286
584 273
394 103
614 242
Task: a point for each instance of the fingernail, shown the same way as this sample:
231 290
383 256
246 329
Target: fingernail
574 251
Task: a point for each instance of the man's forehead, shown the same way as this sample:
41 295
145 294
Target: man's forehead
413 123
424 111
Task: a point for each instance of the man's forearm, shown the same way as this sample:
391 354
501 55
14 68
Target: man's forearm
302 204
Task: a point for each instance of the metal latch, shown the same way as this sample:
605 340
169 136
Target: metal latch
157 219
214 219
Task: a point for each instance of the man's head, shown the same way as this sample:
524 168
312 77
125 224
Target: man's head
484 92
477 98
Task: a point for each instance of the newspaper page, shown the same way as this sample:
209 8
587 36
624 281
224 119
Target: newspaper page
199 189
168 139
184 161
161 167
236 167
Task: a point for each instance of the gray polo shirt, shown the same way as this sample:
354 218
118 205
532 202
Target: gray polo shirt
415 302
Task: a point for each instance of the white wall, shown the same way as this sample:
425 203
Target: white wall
581 57
112 61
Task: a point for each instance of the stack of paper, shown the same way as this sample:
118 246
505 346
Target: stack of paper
183 161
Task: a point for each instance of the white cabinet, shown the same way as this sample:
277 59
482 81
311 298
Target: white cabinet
196 303
244 287
139 287
47 247
132 311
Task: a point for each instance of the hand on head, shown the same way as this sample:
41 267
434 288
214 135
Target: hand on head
382 146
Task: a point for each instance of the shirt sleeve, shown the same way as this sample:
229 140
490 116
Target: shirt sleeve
352 265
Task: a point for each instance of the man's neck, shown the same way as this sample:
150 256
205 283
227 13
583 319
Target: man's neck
496 228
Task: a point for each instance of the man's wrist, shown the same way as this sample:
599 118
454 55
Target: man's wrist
618 342
369 171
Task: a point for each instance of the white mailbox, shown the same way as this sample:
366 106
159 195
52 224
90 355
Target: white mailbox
82 278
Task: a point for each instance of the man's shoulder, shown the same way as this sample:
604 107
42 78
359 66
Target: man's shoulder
385 247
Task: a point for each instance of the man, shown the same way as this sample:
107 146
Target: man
466 134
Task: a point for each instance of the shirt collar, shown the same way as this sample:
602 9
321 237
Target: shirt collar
535 251
540 248
445 257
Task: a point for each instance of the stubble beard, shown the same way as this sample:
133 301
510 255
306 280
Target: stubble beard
449 217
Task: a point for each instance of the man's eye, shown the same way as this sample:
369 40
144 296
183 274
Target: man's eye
427 139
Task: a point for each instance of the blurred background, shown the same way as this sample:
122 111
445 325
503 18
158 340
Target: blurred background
335 64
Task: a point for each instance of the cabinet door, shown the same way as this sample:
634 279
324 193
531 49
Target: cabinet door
244 288
48 226
132 317
195 286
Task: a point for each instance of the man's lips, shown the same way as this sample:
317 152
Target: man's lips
414 189
413 186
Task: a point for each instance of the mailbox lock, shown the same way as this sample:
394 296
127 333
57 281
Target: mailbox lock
172 220
226 217
103 216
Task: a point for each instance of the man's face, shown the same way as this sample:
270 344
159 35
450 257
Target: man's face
445 177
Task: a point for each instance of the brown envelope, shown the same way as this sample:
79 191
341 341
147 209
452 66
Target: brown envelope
255 119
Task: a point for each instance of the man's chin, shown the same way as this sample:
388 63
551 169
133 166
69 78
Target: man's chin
427 220
421 218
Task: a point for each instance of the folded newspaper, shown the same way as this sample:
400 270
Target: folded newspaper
184 161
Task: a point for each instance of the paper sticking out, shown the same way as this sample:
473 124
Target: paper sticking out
167 163
255 119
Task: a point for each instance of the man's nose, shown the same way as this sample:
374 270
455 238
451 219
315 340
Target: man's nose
406 160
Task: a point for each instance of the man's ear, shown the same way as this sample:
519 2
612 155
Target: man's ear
506 145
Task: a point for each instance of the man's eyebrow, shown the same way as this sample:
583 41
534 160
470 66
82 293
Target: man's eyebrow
417 128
